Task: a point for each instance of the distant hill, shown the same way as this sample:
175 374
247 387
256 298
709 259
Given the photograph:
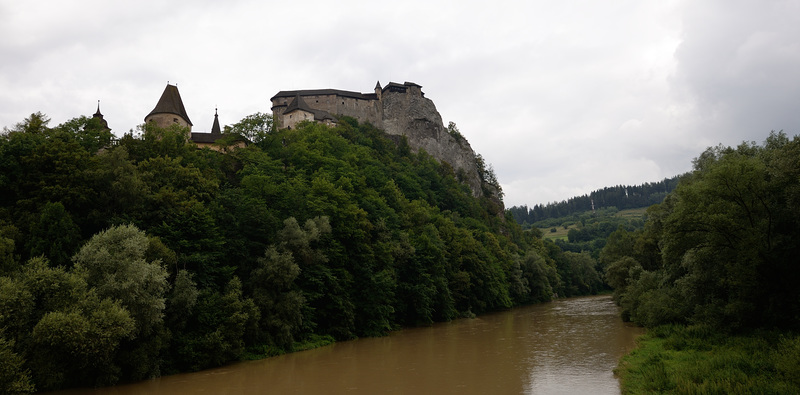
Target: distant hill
621 197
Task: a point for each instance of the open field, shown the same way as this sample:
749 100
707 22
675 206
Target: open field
561 232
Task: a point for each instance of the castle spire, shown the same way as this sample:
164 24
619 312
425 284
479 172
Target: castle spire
215 128
99 116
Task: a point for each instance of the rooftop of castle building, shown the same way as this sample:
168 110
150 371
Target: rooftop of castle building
170 103
342 93
324 92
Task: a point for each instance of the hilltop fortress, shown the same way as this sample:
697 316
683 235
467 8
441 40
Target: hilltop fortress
398 109
321 105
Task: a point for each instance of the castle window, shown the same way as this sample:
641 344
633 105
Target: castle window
175 120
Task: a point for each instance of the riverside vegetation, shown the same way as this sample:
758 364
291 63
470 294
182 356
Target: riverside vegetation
148 256
713 275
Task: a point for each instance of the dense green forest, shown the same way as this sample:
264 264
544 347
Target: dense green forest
620 197
123 259
714 273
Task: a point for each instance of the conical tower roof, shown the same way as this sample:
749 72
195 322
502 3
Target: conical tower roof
170 103
298 104
215 127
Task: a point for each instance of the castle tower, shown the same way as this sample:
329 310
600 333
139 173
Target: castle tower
169 110
296 112
99 116
378 90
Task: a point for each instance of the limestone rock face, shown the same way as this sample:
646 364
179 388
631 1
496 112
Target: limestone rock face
416 117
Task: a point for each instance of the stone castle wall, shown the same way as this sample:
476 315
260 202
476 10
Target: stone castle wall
295 118
365 110
164 120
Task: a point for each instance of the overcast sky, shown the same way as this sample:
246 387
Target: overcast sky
561 97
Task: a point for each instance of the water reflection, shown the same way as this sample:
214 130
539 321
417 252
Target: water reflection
568 346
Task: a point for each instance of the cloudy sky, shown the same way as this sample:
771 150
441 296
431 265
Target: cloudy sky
561 97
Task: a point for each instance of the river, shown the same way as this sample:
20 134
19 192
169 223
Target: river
568 346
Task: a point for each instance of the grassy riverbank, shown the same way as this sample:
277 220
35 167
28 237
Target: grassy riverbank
696 360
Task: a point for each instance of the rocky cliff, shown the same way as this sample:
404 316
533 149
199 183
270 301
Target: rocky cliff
416 118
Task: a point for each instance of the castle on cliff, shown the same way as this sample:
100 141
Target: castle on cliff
323 105
292 107
400 110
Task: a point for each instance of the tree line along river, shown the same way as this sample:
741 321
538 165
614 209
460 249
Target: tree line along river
568 346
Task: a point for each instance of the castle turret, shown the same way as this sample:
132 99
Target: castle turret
99 116
215 129
378 90
169 110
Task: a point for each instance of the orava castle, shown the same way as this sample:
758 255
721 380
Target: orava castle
398 109
322 105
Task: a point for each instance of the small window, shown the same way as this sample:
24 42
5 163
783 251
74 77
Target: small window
175 120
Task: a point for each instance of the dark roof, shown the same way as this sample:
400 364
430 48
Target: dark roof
298 104
205 137
321 92
355 95
170 103
98 114
394 87
210 138
215 127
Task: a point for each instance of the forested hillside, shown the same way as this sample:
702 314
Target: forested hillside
717 261
126 260
620 197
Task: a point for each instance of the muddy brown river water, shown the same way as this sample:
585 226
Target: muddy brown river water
569 346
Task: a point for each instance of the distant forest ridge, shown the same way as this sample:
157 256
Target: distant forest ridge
621 197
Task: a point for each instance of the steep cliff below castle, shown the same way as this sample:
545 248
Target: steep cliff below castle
416 118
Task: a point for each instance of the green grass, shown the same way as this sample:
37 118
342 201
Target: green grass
696 360
561 232
632 213
265 351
